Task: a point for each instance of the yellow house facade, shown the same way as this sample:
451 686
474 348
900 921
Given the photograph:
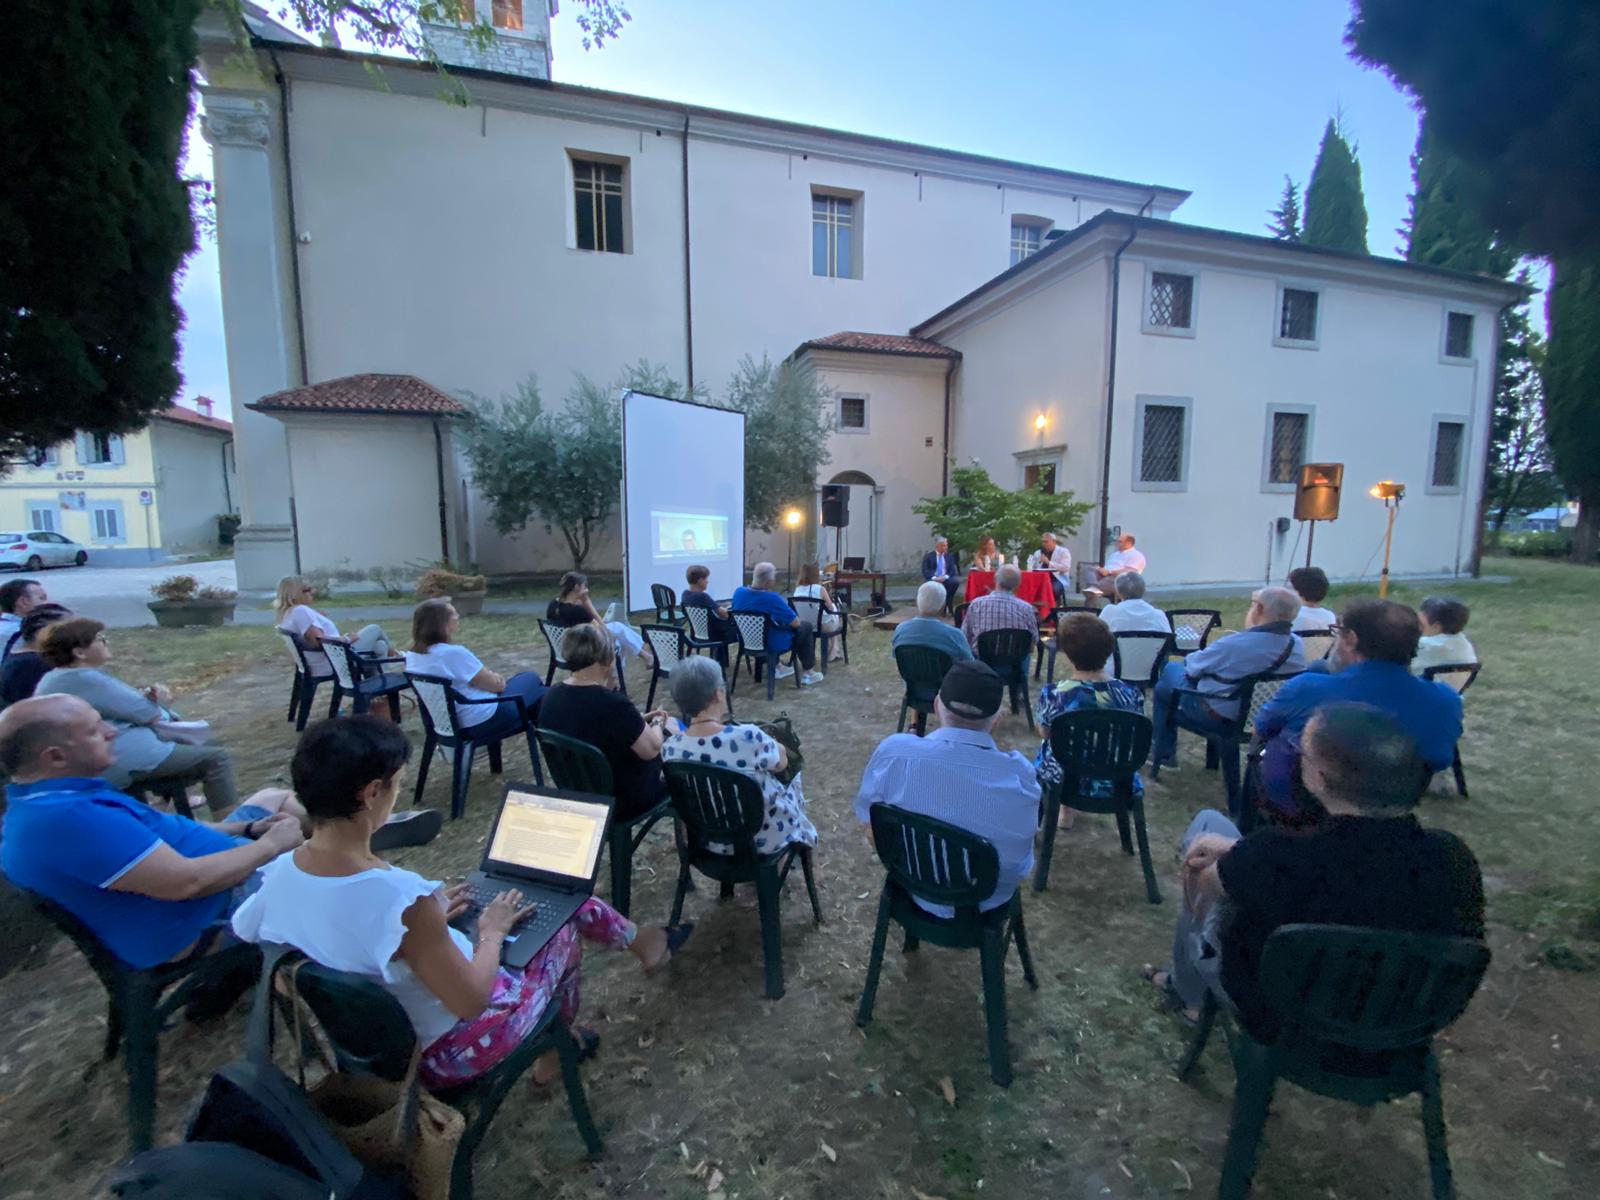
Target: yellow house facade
131 498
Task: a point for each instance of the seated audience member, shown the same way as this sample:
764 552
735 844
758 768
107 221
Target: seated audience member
928 628
435 651
1052 556
1443 643
76 651
1266 645
1369 864
988 556
296 615
1131 612
587 706
1119 562
18 597
22 669
697 691
152 887
791 633
718 620
1000 609
1311 585
941 566
573 607
343 906
812 588
1088 644
957 774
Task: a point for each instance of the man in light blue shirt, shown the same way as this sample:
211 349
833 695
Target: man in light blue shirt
957 774
927 628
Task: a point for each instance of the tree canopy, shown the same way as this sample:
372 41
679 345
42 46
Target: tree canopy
1335 209
1285 224
785 436
1443 229
1572 393
978 507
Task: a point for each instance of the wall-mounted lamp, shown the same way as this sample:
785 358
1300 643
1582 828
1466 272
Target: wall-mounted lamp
1041 423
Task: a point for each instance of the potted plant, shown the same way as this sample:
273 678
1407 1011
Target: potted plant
180 601
466 592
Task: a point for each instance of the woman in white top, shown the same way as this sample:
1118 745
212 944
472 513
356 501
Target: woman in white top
296 615
344 907
812 587
434 651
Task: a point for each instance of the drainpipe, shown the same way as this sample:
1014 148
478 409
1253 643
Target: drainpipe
688 278
1111 392
294 225
944 452
444 511
227 492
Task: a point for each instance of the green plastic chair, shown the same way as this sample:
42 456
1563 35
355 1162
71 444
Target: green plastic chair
718 805
931 860
923 668
1376 996
1007 651
576 766
1099 743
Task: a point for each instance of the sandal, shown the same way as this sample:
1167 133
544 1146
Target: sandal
1169 995
677 935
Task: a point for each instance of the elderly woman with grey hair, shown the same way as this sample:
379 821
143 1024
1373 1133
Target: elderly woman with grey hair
697 692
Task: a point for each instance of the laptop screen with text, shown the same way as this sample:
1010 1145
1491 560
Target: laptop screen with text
552 834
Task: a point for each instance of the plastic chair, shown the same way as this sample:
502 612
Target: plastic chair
720 806
1139 657
371 1035
958 614
754 645
576 766
666 602
1380 994
1008 652
362 679
923 668
553 634
1222 749
1460 677
931 860
1192 628
671 646
140 1005
442 730
1318 642
1099 743
303 691
810 610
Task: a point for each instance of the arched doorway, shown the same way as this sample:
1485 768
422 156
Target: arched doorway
859 539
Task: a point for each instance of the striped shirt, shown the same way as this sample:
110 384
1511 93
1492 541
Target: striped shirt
998 610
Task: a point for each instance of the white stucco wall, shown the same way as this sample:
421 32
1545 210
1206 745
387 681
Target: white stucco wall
190 488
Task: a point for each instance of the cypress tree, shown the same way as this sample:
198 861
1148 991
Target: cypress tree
1572 393
1336 211
1286 217
1443 229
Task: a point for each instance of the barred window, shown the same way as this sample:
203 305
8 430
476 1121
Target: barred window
1042 475
833 249
1171 300
1162 431
1458 335
1288 451
1026 238
597 201
1445 473
1297 320
853 412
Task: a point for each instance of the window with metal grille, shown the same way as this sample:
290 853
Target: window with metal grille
1447 439
1297 320
597 204
852 412
1458 335
1288 452
1171 300
1161 449
508 14
1026 238
833 237
1042 475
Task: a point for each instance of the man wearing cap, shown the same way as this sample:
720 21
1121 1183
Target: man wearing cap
957 774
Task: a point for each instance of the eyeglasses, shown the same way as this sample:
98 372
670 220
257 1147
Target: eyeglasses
101 638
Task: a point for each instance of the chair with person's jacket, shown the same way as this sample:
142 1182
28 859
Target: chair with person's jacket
1359 1010
576 766
939 863
442 729
923 669
303 691
1007 652
363 679
755 647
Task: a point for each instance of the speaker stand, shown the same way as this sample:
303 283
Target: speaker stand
1311 536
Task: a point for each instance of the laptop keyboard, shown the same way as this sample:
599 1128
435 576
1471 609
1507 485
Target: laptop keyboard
540 924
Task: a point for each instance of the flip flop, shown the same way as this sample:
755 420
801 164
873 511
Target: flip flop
1170 999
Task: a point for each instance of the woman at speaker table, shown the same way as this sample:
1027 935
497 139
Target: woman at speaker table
435 624
988 558
811 587
572 606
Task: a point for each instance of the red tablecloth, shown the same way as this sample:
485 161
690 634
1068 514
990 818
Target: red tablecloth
1035 588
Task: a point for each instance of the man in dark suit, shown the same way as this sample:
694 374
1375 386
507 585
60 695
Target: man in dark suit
941 566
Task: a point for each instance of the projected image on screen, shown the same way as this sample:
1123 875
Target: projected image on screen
688 536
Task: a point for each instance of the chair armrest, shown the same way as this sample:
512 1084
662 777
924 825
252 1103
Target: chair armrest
517 700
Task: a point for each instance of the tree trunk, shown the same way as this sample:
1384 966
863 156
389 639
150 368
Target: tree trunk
1586 537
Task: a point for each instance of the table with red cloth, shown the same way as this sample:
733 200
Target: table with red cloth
1035 588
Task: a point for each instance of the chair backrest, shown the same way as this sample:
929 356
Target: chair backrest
106 965
716 804
855 564
1140 655
574 765
1008 651
1318 643
436 703
553 634
1371 989
1457 675
752 629
368 1029
923 668
699 622
347 668
1192 627
959 613
668 643
935 861
1100 743
297 651
666 602
1257 692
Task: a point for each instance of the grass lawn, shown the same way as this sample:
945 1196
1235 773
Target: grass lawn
789 1099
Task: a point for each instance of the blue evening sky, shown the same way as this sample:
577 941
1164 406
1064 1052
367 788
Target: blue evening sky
1221 99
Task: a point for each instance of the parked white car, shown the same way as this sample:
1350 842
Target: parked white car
39 549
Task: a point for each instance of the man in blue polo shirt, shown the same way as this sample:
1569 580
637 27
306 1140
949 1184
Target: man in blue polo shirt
791 633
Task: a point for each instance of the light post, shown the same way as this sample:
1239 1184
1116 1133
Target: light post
1391 493
792 519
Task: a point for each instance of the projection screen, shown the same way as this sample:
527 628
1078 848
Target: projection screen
682 495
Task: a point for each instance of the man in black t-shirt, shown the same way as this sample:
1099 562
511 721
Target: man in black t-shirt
1369 863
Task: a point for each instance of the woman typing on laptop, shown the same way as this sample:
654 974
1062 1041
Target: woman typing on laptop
345 907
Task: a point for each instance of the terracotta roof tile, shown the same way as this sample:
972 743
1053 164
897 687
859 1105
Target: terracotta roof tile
880 343
187 416
404 395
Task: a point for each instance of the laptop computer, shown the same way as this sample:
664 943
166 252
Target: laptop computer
545 844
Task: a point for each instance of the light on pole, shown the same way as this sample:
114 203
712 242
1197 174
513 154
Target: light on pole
792 519
1391 493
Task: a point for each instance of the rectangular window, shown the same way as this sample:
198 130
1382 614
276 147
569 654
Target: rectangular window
1288 446
1458 335
597 204
508 14
1042 475
1161 444
43 516
1297 316
1169 306
99 450
1027 237
105 521
1449 437
834 254
852 414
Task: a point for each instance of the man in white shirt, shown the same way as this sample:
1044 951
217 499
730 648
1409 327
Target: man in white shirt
1443 642
1052 556
18 598
1119 562
1132 612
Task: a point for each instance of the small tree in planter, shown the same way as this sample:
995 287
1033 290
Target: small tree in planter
180 601
465 592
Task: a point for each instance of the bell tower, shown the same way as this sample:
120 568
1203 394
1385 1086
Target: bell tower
521 43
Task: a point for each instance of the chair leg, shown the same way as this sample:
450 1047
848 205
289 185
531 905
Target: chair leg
460 777
1229 757
336 702
394 706
1124 832
650 699
139 1052
294 697
1460 773
809 871
359 703
1198 1039
1433 1129
621 848
428 747
1151 890
772 674
1252 1097
550 671
900 726
494 758
1047 838
308 691
991 953
922 723
1211 755
682 889
771 929
577 1100
733 680
1019 932
880 935
533 756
